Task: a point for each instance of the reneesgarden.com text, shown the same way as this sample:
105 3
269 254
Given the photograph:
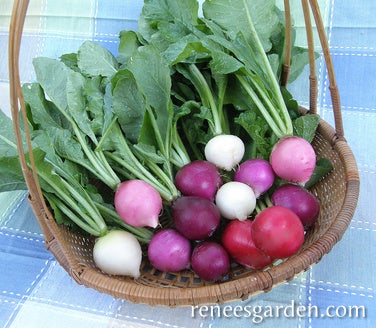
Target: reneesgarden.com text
258 313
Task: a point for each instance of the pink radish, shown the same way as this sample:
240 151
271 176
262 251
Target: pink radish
293 159
138 203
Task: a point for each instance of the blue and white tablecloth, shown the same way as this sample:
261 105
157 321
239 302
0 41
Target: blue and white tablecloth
338 292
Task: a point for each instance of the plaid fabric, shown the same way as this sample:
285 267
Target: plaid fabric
36 292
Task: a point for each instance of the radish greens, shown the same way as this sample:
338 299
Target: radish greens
186 77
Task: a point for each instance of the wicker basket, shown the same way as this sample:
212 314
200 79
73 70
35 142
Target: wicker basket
338 194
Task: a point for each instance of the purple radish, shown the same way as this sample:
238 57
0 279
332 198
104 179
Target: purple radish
299 200
210 261
257 173
169 251
198 178
196 218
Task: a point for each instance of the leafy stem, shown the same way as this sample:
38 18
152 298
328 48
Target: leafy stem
206 95
89 216
142 234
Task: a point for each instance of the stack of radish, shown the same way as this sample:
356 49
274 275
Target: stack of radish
220 219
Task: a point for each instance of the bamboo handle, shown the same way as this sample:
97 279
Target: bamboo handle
313 81
17 102
333 88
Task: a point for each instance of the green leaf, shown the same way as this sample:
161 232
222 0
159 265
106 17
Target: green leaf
157 11
129 106
11 177
43 113
258 130
108 109
8 146
299 60
94 60
52 76
155 84
322 168
94 94
70 60
150 153
187 49
223 63
128 44
77 104
305 126
235 15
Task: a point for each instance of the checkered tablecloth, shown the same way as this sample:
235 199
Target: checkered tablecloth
36 292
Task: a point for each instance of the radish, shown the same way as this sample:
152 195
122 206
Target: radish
195 218
138 203
225 151
257 173
293 159
198 178
300 201
238 242
169 251
235 200
210 261
118 253
278 232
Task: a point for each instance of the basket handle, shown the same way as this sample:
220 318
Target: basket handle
333 87
18 105
313 81
287 46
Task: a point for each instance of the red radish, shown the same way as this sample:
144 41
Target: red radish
225 151
198 178
235 200
293 159
210 261
196 218
278 232
138 203
300 201
118 253
238 242
169 251
257 173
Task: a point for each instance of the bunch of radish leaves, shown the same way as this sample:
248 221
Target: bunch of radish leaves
180 79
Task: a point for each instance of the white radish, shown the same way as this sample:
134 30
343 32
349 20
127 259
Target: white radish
118 253
235 200
225 151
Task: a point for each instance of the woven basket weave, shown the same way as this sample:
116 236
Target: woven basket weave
337 193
